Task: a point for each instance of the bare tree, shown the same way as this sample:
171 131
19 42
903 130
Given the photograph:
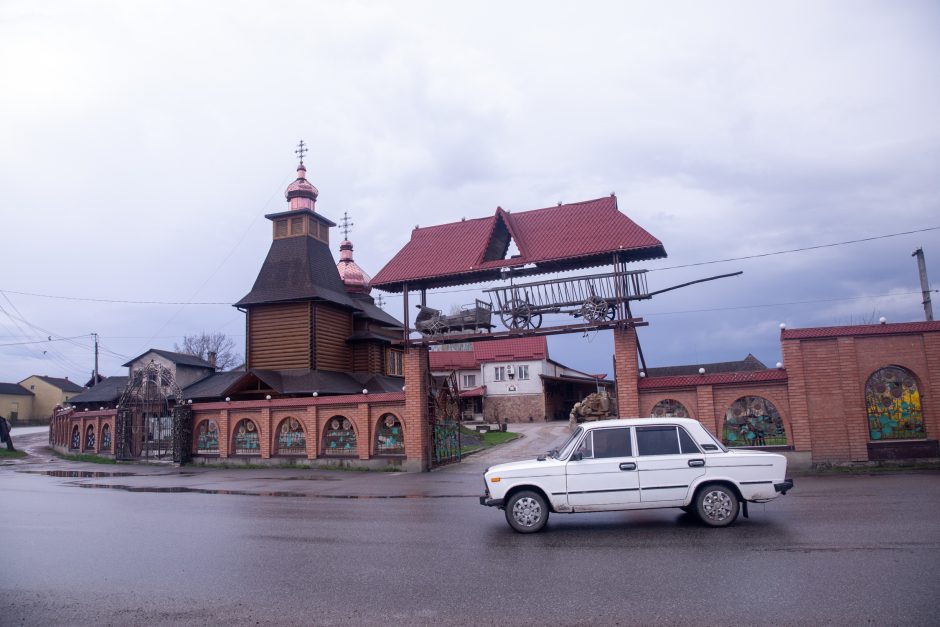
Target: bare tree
201 345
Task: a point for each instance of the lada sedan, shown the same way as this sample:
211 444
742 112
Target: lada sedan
637 463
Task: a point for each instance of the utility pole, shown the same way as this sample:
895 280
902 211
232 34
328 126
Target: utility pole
94 376
924 284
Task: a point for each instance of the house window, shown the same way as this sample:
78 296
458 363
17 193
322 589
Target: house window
469 381
499 373
522 372
393 363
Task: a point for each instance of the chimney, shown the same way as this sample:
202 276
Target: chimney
211 358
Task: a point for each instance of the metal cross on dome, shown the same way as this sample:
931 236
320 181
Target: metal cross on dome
345 224
301 151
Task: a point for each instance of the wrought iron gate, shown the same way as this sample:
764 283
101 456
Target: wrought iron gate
444 418
152 422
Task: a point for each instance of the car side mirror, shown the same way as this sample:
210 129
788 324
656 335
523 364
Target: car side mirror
577 457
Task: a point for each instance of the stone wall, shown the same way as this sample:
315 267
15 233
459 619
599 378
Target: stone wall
516 408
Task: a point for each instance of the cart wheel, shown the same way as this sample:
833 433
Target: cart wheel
535 321
611 313
594 309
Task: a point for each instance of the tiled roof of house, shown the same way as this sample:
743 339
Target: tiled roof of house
748 364
511 349
63 384
293 382
898 328
180 359
453 360
565 237
721 378
14 389
108 390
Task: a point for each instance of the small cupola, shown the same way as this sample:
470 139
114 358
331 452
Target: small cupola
354 278
301 194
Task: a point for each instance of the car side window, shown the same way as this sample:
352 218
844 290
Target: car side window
586 449
687 443
657 441
612 443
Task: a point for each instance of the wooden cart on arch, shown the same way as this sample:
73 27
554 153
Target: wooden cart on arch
473 318
594 298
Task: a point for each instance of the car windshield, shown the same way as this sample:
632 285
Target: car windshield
565 449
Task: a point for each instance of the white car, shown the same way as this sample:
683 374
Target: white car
636 463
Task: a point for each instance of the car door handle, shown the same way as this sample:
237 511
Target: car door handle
628 466
696 463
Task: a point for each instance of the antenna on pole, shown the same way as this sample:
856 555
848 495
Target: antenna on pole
924 284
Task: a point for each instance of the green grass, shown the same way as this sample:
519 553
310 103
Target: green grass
5 454
488 439
85 457
297 467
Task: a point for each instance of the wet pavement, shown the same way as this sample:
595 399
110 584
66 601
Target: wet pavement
124 544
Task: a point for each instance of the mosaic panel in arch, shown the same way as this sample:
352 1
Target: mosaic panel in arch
389 437
291 438
207 437
753 421
669 408
247 441
893 403
90 438
339 439
76 442
106 438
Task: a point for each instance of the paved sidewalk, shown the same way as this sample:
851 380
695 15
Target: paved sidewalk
456 480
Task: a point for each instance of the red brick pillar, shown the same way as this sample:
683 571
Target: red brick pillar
800 437
627 372
930 394
705 409
416 409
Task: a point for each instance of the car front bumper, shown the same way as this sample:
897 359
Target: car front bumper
486 500
784 487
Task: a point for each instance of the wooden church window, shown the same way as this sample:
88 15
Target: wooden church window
394 367
296 226
280 228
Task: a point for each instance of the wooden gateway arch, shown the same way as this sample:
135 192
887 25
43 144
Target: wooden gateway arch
509 250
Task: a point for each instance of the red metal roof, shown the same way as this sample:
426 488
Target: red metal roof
860 330
565 237
477 391
721 378
453 360
512 349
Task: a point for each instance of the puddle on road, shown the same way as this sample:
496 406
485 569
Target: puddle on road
184 490
78 474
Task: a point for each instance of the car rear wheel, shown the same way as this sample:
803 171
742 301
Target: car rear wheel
526 511
717 505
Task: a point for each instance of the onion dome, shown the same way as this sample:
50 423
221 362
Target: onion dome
301 194
354 277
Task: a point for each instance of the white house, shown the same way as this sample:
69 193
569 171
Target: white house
513 380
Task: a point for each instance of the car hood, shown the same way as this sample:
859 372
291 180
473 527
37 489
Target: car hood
526 468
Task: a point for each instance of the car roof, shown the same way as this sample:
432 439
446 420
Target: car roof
632 422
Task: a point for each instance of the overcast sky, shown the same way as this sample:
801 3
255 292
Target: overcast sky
142 143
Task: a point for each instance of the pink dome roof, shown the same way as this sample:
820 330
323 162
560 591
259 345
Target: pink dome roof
301 187
354 277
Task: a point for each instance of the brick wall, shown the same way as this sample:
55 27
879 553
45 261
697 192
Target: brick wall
626 372
515 408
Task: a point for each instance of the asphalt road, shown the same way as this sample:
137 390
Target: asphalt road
159 545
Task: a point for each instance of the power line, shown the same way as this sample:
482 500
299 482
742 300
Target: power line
113 300
51 339
799 250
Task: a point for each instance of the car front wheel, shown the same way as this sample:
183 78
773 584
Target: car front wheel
526 511
717 505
